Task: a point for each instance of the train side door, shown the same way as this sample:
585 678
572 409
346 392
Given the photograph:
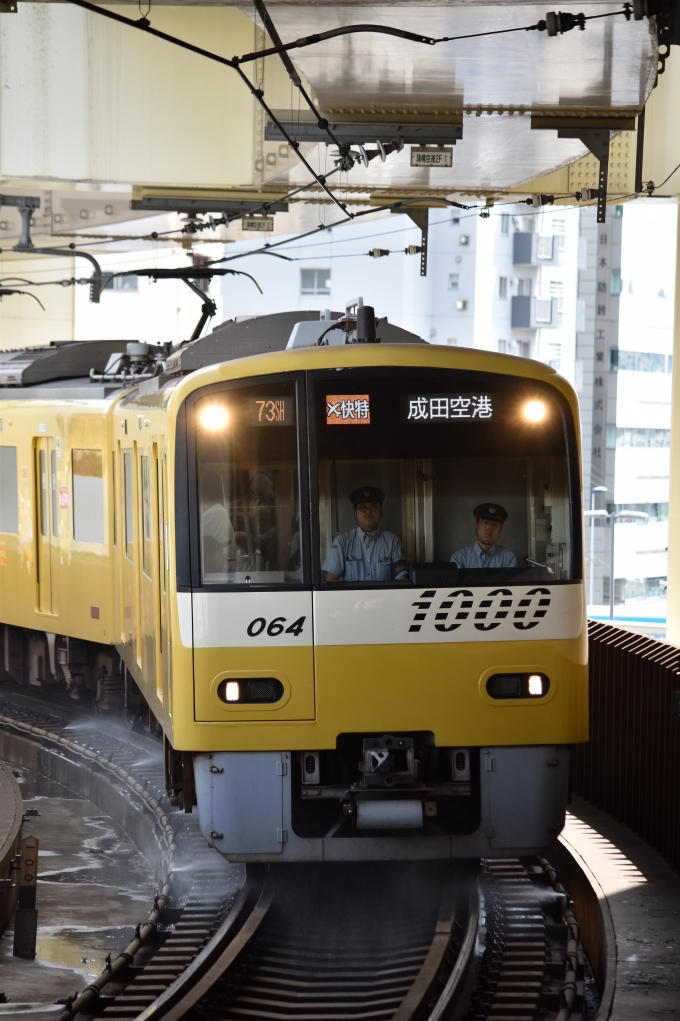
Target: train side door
46 519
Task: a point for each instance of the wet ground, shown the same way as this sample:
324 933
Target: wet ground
93 888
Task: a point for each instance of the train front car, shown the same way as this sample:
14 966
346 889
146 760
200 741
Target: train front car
380 571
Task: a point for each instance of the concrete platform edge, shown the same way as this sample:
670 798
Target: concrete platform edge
594 917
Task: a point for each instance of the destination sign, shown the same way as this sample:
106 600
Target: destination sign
445 407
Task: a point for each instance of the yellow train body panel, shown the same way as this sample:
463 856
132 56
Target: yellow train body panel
50 580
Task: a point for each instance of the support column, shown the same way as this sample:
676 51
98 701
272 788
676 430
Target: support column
673 610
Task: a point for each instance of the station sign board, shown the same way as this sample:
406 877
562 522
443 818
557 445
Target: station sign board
431 156
261 223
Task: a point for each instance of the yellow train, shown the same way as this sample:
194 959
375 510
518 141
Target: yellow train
279 546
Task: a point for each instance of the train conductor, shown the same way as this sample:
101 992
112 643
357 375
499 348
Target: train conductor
367 552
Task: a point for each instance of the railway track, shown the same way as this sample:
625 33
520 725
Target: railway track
196 885
395 942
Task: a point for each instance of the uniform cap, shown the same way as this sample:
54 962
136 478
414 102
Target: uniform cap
491 511
366 494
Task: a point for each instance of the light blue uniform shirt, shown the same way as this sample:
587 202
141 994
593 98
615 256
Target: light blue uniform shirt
474 556
355 556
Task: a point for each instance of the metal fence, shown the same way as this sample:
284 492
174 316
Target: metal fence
631 766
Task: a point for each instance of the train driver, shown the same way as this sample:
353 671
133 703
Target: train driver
367 552
485 552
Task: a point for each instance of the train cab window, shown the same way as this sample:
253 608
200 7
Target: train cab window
453 478
247 473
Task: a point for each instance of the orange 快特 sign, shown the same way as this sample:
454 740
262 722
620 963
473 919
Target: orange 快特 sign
348 409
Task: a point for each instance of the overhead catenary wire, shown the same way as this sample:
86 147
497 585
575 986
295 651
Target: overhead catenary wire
7 291
333 33
292 258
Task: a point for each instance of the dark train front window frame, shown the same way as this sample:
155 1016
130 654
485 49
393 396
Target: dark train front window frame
420 436
395 430
247 488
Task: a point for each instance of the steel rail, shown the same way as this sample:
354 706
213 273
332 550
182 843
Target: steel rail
238 928
455 994
202 910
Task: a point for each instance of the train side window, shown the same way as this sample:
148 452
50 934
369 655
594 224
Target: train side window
248 485
53 487
128 501
115 504
425 462
147 523
88 496
9 490
42 460
162 556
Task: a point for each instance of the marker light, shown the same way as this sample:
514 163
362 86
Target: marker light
535 684
233 692
534 411
214 417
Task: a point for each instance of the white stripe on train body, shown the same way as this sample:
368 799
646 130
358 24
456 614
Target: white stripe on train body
412 616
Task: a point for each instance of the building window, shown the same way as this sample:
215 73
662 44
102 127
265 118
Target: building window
461 306
453 281
505 223
543 310
452 341
618 211
315 281
624 437
464 239
502 346
126 283
544 247
558 226
638 361
524 288
502 287
617 282
455 220
524 348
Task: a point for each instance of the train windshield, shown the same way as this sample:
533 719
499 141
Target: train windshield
443 478
247 470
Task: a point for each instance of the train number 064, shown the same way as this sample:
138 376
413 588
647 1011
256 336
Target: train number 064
277 626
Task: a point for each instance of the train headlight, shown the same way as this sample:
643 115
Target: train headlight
214 417
534 411
504 686
232 691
